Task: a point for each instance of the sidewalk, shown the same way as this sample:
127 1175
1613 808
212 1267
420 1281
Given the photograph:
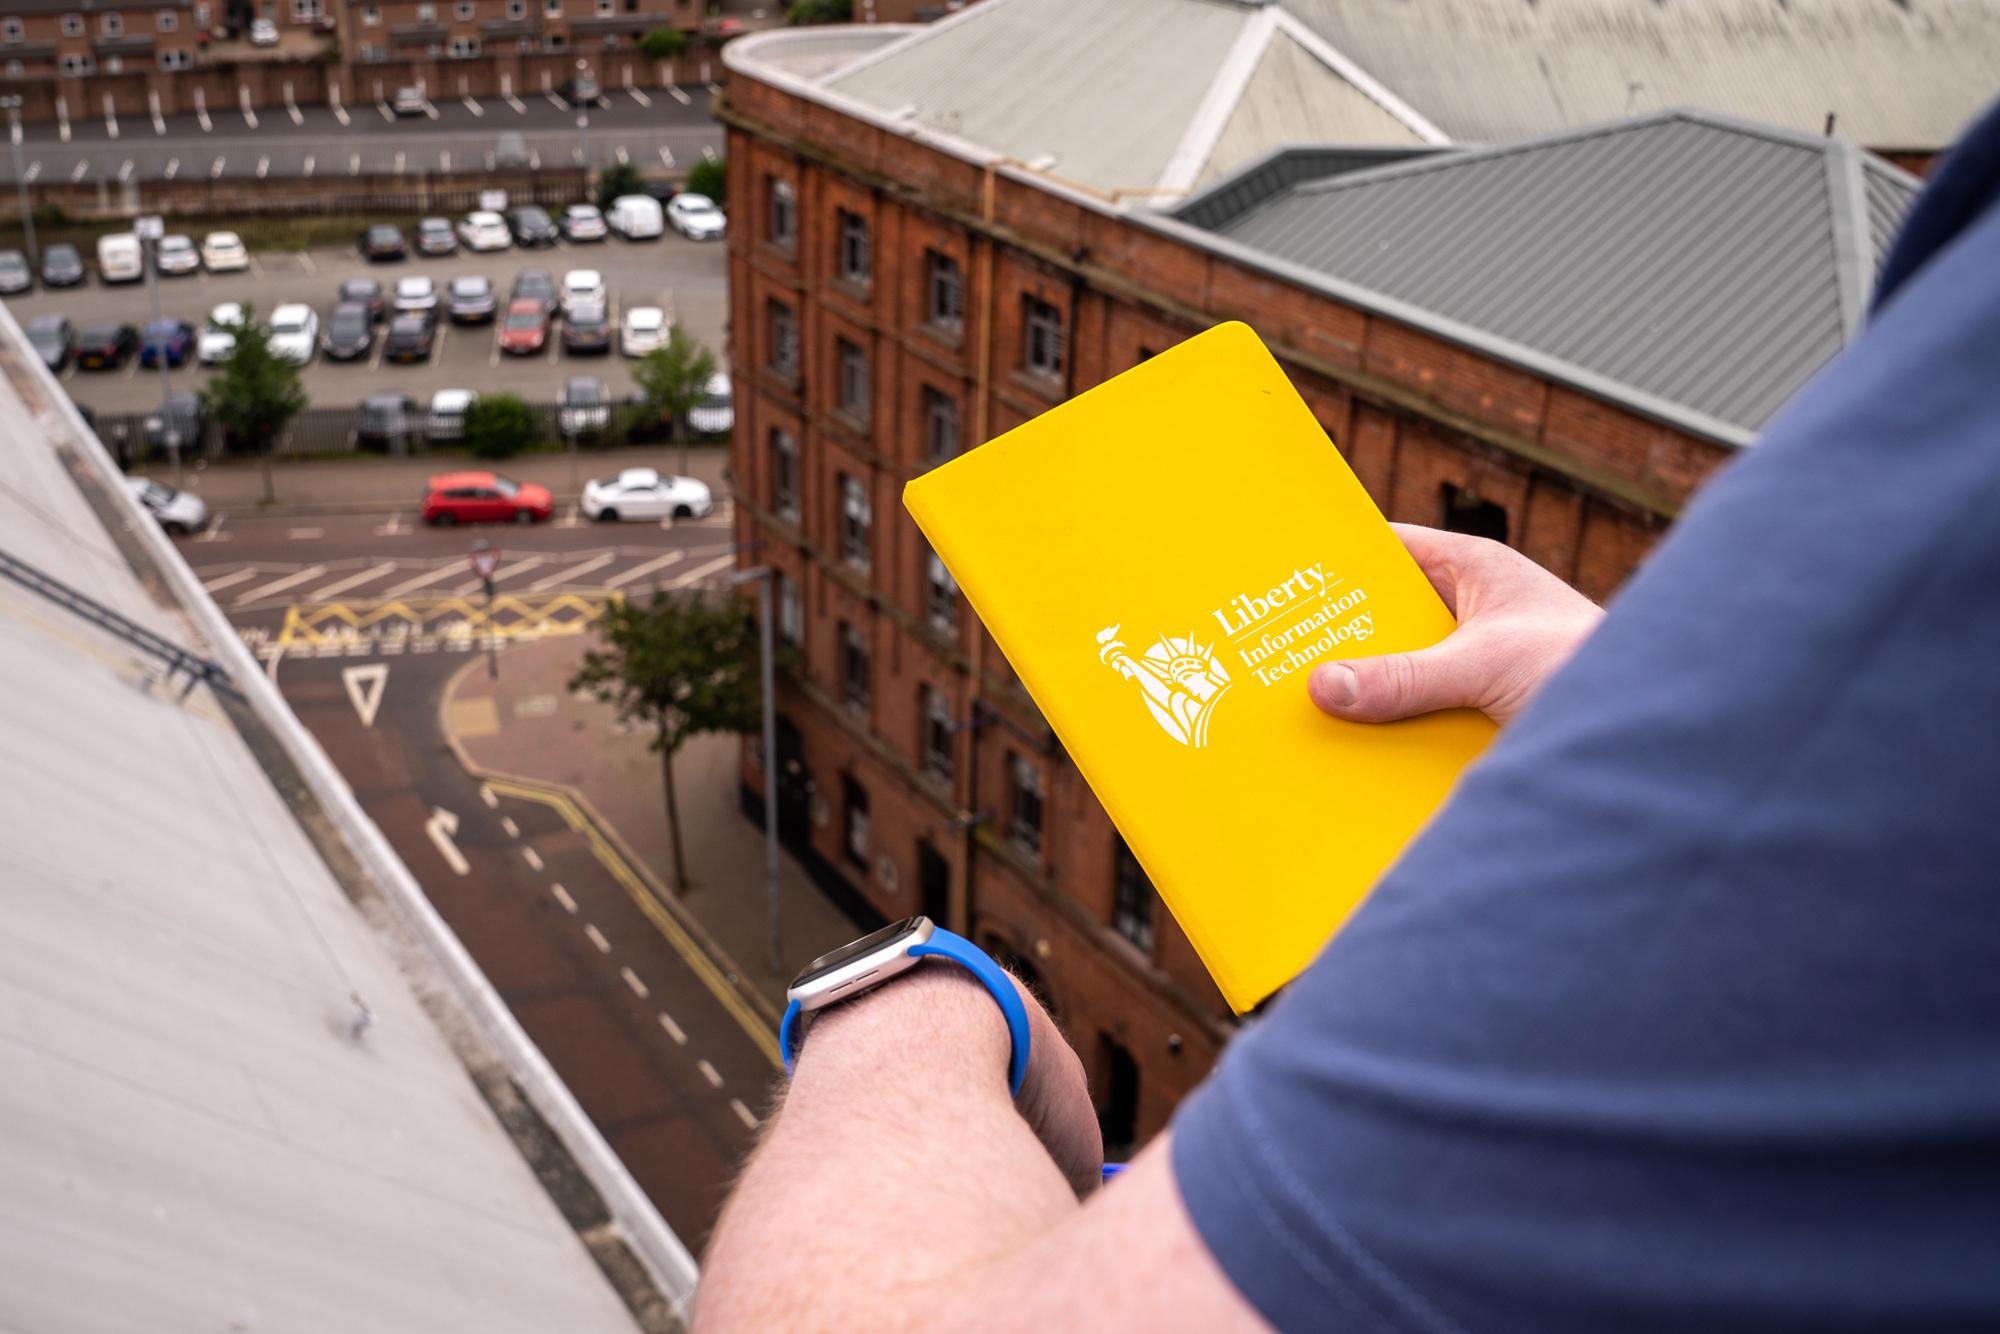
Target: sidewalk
368 484
528 725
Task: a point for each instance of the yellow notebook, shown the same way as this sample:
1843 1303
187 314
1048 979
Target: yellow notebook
1163 559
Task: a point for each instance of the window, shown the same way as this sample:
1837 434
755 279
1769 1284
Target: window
1024 804
524 45
784 349
78 65
201 16
853 668
11 28
371 52
1118 1114
791 618
855 519
517 9
940 424
784 220
427 13
463 9
936 714
112 24
785 474
1042 337
166 20
114 64
72 25
854 820
176 59
555 41
306 11
940 595
605 9
371 14
853 379
13 69
944 293
1465 512
553 8
1131 899
464 47
853 261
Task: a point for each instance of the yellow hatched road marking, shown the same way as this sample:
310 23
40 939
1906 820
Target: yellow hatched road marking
509 617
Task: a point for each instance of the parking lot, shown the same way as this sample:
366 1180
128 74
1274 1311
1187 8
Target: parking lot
685 278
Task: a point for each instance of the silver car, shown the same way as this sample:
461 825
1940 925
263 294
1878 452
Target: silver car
178 511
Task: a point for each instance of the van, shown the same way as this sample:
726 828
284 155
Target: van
119 258
636 217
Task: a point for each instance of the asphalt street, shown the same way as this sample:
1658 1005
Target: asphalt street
363 622
687 279
651 127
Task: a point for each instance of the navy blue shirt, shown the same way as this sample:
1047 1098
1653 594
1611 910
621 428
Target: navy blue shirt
1685 1012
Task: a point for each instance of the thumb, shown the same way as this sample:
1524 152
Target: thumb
1398 685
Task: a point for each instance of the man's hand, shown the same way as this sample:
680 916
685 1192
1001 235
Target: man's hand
1517 624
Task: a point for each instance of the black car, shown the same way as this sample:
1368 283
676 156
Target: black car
664 191
435 237
535 285
186 414
531 225
366 291
380 241
104 347
385 421
61 266
587 328
410 338
53 338
469 300
14 273
350 332
581 91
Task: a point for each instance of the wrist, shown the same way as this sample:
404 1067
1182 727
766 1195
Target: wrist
936 1021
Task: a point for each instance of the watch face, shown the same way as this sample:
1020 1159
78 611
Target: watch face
874 941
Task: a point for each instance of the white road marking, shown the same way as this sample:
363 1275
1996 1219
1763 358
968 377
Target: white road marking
700 572
637 571
554 101
679 96
340 114
304 534
410 585
263 167
472 105
387 114
173 165
62 119
394 528
110 117
623 156
515 103
430 109
513 830
709 1072
666 156
298 116
81 167
532 858
306 575
743 1114
306 261
399 162
500 575
352 581
597 938
214 532
34 170
562 897
216 585
440 827
535 159
201 112
673 1029
564 576
486 795
125 171
153 102
708 150
632 981
365 685
354 164
444 159
308 165
249 116
216 170
640 97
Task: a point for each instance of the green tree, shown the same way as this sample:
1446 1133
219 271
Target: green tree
255 393
681 665
674 379
820 11
662 44
498 426
620 178
709 177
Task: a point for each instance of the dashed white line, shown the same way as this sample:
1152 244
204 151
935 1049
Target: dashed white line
597 938
632 981
305 257
354 164
700 572
511 829
640 97
81 168
624 158
624 577
564 576
216 585
399 162
263 167
125 171
216 170
562 897
472 105
387 114
307 575
743 1114
340 114
352 581
173 165
486 794
673 1029
298 116
554 101
410 585
666 156
34 170
679 96
532 858
304 534
709 1072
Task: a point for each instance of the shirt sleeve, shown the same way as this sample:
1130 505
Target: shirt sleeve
1680 1016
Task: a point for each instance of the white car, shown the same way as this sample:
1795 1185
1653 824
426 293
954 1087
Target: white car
716 413
177 511
582 222
218 336
263 32
449 408
646 328
223 252
583 287
635 217
485 231
176 254
642 494
415 296
294 333
696 217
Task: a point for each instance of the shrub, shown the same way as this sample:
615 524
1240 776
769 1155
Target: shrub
820 11
708 177
620 178
499 426
662 44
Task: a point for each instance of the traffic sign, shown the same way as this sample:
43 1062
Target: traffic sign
485 561
150 227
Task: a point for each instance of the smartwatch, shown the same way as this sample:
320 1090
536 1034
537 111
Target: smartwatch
881 955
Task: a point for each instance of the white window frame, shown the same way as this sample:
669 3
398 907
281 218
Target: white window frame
14 70
940 595
791 616
517 9
464 48
176 58
371 16
785 473
857 521
851 371
855 261
427 12
464 10
938 758
166 20
11 29
111 24
552 8
72 25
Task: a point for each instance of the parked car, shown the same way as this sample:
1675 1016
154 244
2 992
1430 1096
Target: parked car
715 414
659 190
484 230
120 258
168 340
366 291
645 328
62 266
224 252
188 417
635 217
580 91
696 217
15 275
583 222
485 497
586 328
350 332
410 101
583 287
104 347
531 225
410 338
510 152
470 300
448 410
539 284
435 237
642 493
177 255
380 241
179 512
294 332
263 32
53 338
385 421
416 294
525 331
581 407
218 336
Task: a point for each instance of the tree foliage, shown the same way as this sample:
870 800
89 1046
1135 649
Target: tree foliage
255 393
820 11
681 665
709 177
662 44
498 426
674 378
620 178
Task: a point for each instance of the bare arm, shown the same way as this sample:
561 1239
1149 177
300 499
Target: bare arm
901 1188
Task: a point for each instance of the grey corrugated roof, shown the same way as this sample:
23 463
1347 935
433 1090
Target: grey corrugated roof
1699 262
1279 169
1898 73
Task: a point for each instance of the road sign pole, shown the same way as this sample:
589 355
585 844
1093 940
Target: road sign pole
485 559
765 576
150 229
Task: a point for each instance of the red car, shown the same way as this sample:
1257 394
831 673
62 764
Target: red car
525 330
484 497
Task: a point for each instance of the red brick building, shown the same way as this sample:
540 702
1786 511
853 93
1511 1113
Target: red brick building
68 39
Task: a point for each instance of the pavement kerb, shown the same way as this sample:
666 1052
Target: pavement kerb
656 891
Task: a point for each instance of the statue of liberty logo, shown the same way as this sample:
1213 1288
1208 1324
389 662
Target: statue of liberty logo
1180 681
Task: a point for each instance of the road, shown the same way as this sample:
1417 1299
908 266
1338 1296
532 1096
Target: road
652 128
688 279
362 622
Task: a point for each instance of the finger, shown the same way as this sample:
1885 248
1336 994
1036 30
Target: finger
1440 555
1450 675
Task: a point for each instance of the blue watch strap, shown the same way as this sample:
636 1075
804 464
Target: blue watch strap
788 1035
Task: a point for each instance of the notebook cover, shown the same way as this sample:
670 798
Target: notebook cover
1162 559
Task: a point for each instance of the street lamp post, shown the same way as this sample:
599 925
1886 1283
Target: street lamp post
583 122
762 576
149 230
13 106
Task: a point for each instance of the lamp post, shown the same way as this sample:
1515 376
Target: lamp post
762 576
13 106
150 229
583 121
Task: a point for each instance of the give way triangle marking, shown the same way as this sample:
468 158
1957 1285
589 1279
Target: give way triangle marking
364 688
